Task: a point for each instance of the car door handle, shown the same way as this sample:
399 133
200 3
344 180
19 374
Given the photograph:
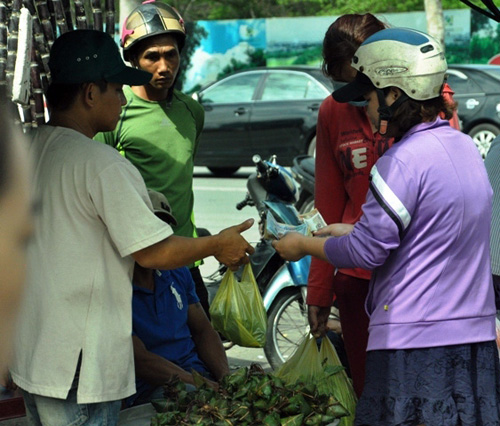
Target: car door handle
240 111
313 107
471 103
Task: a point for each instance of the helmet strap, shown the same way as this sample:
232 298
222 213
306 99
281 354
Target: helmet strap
386 112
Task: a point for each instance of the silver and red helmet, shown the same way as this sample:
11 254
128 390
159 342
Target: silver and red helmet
150 19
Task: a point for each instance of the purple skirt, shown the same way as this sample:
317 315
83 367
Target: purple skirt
443 386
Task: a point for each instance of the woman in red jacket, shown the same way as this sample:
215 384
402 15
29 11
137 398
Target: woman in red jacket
347 148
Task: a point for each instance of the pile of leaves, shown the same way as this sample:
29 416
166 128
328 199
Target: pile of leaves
249 396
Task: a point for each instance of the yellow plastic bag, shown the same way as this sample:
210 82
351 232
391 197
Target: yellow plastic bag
322 368
339 383
238 311
304 364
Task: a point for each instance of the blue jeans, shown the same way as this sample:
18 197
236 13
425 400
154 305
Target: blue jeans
45 411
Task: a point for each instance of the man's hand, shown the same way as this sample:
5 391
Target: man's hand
318 319
233 249
212 384
289 247
334 230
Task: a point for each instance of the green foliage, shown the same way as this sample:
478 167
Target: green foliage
193 10
483 48
256 58
457 53
309 56
247 9
195 33
478 21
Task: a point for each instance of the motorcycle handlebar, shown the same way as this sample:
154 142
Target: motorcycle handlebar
242 204
246 202
261 166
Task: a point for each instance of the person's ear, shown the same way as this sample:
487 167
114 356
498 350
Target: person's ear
394 93
89 94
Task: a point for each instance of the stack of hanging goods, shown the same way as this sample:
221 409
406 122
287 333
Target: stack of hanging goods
28 29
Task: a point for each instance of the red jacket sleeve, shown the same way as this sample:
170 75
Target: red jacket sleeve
330 199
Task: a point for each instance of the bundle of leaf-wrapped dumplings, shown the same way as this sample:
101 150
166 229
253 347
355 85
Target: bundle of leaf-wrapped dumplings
249 396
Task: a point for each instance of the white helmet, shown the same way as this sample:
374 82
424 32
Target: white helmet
408 59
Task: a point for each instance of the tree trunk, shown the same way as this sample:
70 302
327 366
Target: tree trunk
435 19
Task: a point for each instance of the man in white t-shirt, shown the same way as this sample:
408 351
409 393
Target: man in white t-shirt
73 350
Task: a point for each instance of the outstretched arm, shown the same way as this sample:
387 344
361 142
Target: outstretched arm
294 246
228 247
154 369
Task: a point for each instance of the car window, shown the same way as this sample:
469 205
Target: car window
239 88
493 72
461 84
281 86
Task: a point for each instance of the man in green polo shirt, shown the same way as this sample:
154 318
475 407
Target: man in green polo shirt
159 128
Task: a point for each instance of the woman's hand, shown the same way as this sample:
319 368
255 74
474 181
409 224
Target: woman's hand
334 230
289 247
294 246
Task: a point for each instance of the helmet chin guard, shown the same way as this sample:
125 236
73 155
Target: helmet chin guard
386 111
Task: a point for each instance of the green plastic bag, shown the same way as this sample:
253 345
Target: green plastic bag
304 364
238 311
339 383
322 368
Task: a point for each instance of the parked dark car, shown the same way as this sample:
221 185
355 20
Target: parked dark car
261 111
477 91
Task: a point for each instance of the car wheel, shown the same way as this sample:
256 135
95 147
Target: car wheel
223 171
311 149
483 135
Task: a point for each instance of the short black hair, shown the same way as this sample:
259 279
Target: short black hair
61 96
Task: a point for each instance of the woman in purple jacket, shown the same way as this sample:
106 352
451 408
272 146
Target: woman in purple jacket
432 357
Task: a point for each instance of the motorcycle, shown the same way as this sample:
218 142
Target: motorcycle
303 172
271 189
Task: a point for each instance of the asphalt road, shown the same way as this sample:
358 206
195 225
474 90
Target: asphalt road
215 209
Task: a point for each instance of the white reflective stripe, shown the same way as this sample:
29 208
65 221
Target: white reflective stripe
390 198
